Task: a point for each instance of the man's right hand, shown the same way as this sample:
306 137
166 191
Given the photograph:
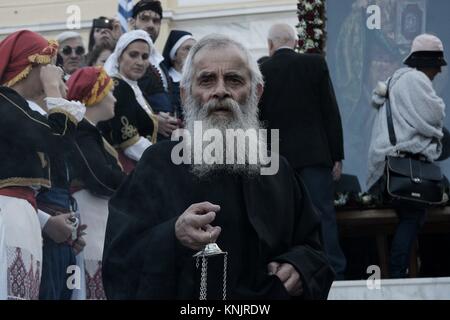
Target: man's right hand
58 229
193 228
51 77
166 124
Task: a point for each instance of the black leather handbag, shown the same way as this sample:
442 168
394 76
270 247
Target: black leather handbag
410 178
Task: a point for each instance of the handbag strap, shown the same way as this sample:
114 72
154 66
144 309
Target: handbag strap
390 123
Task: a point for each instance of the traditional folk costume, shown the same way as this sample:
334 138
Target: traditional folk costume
54 201
28 140
97 173
134 127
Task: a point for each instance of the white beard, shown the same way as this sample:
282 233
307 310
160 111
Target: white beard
243 117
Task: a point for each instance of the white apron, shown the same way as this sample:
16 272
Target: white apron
21 243
94 213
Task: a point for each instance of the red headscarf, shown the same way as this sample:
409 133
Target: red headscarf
19 51
89 85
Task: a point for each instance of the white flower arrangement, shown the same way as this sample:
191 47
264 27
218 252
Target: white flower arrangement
311 26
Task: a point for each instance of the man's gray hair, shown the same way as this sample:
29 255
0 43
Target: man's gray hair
281 34
218 41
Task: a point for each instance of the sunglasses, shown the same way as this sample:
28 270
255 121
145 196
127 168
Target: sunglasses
67 50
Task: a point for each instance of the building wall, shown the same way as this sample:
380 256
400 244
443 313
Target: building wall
247 21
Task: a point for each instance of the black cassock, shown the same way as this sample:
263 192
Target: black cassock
263 219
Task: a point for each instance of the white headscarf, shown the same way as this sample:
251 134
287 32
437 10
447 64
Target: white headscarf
112 64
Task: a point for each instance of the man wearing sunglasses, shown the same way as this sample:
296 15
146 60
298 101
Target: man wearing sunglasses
72 51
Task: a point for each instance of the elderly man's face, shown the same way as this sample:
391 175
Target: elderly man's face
72 52
220 74
222 98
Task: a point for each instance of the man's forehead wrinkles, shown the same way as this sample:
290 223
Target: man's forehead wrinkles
206 73
224 72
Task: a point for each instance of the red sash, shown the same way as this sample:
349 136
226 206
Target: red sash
127 163
24 193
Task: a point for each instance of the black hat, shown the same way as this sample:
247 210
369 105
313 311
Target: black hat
426 59
144 5
173 43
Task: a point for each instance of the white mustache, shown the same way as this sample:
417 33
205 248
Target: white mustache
226 105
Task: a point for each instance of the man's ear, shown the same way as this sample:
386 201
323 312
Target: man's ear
259 90
271 46
294 44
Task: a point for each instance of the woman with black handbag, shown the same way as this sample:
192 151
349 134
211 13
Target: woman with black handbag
406 140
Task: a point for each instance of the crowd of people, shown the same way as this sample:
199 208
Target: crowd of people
88 180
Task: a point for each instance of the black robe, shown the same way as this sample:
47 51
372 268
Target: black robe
263 219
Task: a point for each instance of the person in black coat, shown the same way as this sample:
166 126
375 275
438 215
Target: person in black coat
299 100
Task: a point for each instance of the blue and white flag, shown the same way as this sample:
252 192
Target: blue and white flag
125 12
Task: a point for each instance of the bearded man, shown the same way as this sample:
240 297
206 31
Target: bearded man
165 212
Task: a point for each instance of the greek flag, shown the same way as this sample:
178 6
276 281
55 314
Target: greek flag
125 12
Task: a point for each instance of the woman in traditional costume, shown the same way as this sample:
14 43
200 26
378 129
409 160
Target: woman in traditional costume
97 171
28 138
135 126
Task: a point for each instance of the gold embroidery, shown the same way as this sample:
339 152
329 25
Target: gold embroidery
129 143
155 129
24 182
94 96
26 114
154 119
128 131
22 75
109 148
66 113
